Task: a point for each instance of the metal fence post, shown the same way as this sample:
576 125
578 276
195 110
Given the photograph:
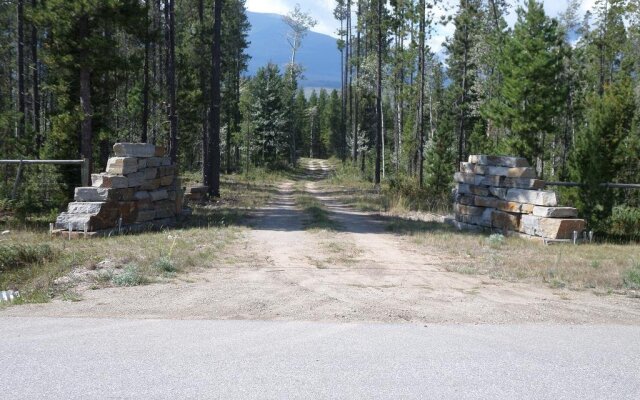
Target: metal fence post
85 172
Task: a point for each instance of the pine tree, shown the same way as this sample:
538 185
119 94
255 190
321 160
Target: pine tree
531 93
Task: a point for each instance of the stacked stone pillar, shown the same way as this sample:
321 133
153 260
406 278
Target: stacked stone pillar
502 193
139 189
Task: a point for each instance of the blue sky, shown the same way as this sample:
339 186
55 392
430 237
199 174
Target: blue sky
322 11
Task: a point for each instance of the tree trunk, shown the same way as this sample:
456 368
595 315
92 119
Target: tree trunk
462 139
420 115
145 89
206 159
171 80
355 98
379 99
21 94
214 112
36 83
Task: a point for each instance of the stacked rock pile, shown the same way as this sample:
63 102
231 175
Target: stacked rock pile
140 189
502 193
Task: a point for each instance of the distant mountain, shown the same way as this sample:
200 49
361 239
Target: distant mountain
319 55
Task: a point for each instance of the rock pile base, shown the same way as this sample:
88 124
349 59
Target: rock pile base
140 189
502 193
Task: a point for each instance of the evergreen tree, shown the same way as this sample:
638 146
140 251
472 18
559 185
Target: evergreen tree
268 114
531 93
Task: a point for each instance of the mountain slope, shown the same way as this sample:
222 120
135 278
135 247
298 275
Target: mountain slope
319 55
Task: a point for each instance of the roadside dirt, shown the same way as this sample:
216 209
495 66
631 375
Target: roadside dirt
357 272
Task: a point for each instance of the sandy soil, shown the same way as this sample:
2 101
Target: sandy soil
359 272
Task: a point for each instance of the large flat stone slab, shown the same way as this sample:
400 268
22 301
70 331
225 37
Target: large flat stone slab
535 197
84 194
122 165
468 210
499 161
134 150
505 220
503 181
464 188
555 212
551 228
110 181
509 172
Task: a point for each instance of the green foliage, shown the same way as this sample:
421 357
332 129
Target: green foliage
18 256
130 276
624 223
531 94
631 278
164 264
596 158
269 114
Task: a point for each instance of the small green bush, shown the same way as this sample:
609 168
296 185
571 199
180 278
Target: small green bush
131 276
631 278
164 264
17 256
625 223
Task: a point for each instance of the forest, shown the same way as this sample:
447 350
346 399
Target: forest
78 76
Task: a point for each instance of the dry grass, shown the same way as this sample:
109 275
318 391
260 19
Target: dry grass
199 242
603 268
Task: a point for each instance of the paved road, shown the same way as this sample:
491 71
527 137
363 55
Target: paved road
102 358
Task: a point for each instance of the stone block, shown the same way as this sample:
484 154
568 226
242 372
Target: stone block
468 210
505 220
484 201
160 151
467 168
551 228
502 181
166 180
136 179
153 162
167 170
134 149
92 194
158 195
150 173
462 177
109 181
142 163
141 195
535 197
145 216
152 184
165 161
464 188
500 193
499 161
122 165
98 216
92 207
555 212
128 211
464 199
515 172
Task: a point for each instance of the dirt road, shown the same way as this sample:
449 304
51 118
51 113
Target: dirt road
357 272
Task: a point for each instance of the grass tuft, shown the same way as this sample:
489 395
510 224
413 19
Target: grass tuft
164 264
131 276
631 277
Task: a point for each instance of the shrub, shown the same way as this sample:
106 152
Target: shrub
631 278
17 256
131 276
624 223
164 264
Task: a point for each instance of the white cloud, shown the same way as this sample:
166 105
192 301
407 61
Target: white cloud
322 11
